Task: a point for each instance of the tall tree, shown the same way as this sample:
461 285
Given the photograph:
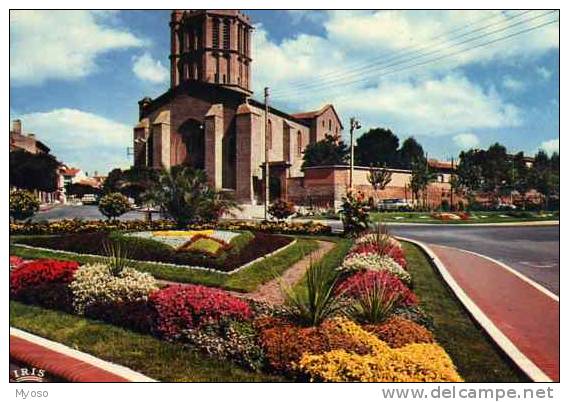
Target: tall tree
469 173
132 182
421 176
377 146
328 151
495 170
379 177
33 171
409 151
520 178
544 177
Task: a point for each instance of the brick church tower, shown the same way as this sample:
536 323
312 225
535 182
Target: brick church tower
211 46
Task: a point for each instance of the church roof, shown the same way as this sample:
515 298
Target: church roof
315 113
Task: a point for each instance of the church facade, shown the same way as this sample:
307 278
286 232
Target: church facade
209 119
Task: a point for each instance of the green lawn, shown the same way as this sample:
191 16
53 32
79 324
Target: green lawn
473 352
157 359
245 280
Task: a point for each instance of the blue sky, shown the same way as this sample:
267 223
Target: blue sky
76 76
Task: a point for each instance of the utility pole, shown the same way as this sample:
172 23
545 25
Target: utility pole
266 153
451 183
354 125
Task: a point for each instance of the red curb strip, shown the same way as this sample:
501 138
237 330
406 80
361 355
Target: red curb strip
517 356
69 364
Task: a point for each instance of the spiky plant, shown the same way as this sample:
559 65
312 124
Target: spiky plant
316 303
117 257
374 304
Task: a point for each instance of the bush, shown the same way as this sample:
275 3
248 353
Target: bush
181 308
23 204
355 216
374 262
228 340
398 332
136 315
94 284
354 285
44 282
114 205
411 363
285 343
281 209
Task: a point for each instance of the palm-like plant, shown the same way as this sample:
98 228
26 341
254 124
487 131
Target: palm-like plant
374 304
117 257
319 301
182 193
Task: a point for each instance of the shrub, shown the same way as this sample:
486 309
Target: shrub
281 209
180 308
228 340
39 272
136 315
398 332
355 216
353 286
95 284
114 205
285 343
374 262
411 363
44 282
319 301
23 204
373 303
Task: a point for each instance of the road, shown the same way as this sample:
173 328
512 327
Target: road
531 250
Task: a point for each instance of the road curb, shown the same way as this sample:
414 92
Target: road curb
507 346
88 365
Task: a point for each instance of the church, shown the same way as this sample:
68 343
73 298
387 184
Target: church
210 120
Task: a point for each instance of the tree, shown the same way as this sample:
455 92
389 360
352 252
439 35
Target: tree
495 170
377 146
114 205
132 182
469 173
410 150
34 172
326 152
520 177
421 176
545 176
379 177
23 204
182 194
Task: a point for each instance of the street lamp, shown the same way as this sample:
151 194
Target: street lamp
354 125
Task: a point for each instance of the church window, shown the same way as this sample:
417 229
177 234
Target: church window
215 33
330 124
226 29
299 143
323 123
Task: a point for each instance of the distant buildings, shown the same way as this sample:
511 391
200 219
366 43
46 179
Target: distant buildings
26 142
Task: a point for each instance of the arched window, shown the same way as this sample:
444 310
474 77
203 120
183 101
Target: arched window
299 142
270 135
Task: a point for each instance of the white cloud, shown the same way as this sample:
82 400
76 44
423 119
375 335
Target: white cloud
148 69
512 84
544 73
61 44
466 140
80 138
550 146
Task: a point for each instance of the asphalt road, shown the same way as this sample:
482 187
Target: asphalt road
531 250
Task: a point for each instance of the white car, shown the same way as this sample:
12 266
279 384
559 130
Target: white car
393 204
89 199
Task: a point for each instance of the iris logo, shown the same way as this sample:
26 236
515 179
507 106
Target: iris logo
28 375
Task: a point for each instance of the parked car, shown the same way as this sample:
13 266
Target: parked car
506 207
394 204
89 199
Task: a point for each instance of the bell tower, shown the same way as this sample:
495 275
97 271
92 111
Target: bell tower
211 46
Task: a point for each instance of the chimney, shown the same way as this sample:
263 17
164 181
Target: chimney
17 126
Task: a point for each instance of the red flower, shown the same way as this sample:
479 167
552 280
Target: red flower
190 306
362 280
15 261
392 251
40 272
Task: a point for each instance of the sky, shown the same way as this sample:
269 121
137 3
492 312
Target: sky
451 79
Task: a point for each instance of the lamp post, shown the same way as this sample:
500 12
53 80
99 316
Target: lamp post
266 153
354 125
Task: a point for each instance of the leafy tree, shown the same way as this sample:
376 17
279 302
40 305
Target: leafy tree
183 194
328 151
545 175
33 171
469 173
132 182
520 177
495 170
23 204
410 150
379 177
377 146
421 176
114 205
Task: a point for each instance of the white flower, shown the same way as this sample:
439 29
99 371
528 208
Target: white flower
374 262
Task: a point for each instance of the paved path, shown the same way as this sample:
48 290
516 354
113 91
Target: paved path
61 361
271 291
526 315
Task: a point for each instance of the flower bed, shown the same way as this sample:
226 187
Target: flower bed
392 346
68 226
245 248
